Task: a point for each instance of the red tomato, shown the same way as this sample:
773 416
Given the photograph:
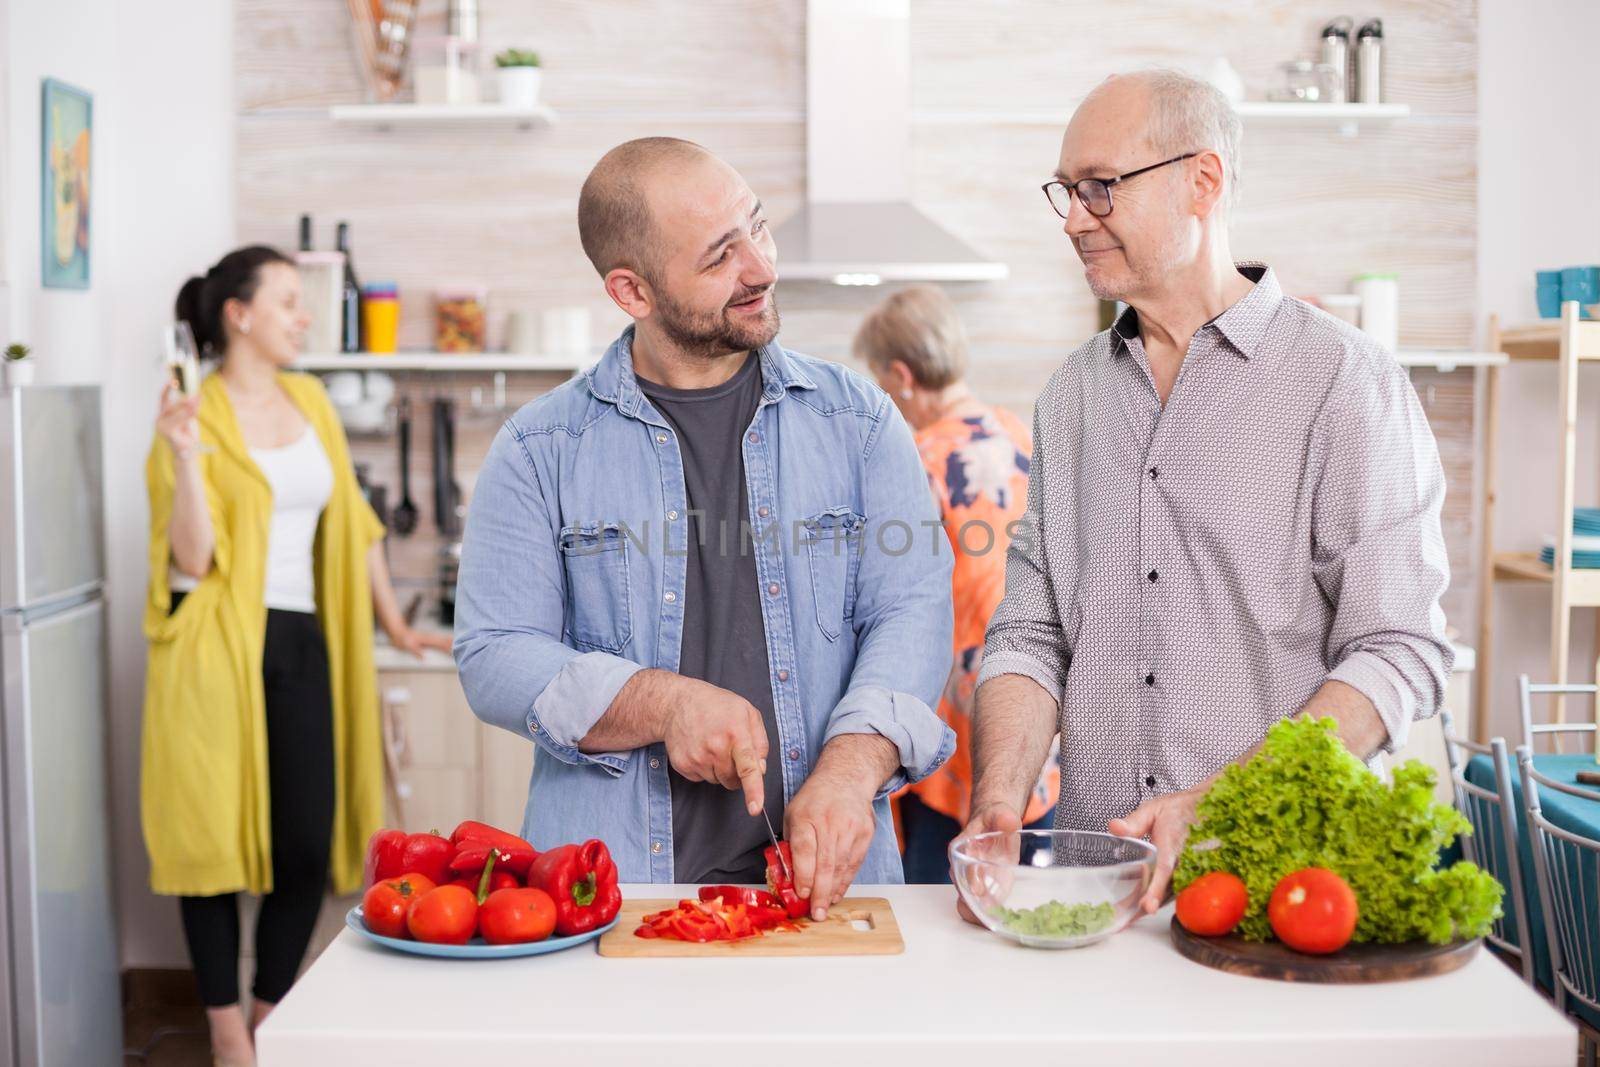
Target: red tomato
1213 904
447 915
385 905
512 916
1313 911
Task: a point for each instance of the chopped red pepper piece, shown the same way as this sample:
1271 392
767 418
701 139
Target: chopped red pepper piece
735 894
723 913
780 881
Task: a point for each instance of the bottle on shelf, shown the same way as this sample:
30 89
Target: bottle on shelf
305 233
350 339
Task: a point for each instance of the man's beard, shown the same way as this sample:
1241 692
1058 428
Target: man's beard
713 333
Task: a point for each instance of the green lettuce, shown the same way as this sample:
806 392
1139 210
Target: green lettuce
1305 801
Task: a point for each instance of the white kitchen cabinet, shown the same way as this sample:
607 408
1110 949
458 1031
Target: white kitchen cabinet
444 765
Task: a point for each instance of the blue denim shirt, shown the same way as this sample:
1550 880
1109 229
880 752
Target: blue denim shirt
572 578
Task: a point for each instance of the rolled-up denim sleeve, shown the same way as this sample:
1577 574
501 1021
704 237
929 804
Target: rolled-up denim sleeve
1025 635
510 610
1378 550
903 615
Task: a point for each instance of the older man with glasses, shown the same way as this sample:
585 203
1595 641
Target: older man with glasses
1234 505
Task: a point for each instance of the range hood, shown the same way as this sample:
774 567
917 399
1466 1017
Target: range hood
858 226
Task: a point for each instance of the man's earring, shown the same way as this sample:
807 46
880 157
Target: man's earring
244 327
905 394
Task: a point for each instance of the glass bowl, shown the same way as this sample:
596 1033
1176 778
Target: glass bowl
1052 888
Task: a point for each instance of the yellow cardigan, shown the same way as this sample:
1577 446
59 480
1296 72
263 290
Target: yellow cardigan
204 781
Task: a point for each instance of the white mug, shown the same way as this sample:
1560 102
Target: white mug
564 331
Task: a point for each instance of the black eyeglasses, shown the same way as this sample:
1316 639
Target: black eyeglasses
1095 192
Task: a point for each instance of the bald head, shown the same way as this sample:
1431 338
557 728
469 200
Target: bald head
615 220
1177 112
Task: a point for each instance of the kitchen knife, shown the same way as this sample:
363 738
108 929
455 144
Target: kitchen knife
775 848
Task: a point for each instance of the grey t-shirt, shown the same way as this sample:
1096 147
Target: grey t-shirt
714 837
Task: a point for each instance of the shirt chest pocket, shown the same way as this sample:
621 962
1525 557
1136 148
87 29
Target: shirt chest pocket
595 557
832 541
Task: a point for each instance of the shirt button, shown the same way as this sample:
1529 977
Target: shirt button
794 754
773 589
763 511
673 514
1149 679
661 438
671 596
1154 473
783 676
755 438
655 846
655 764
1154 576
1150 780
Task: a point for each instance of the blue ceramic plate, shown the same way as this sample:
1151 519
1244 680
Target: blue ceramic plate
474 949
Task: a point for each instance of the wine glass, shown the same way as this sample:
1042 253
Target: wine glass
183 357
183 360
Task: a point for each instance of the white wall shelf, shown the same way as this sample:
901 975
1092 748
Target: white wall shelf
389 116
1348 117
1447 359
442 362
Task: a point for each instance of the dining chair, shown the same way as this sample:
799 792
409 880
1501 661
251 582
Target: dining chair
1527 690
1567 871
1492 844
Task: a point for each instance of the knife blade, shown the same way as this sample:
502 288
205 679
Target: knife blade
777 850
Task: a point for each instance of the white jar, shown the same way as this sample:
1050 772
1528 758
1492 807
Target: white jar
519 86
1380 306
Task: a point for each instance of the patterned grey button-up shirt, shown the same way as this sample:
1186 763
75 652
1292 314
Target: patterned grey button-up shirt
1192 574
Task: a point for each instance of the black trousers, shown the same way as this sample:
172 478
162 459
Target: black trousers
299 700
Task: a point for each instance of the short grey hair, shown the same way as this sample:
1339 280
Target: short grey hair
919 327
1189 114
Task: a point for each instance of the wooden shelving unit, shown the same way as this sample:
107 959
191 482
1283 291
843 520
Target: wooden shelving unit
1571 341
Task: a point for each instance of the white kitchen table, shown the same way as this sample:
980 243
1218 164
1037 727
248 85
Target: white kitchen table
958 995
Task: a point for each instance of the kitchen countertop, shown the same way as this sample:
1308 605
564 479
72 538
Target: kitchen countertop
385 657
959 996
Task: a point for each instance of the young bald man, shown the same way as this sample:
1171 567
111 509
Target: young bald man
706 578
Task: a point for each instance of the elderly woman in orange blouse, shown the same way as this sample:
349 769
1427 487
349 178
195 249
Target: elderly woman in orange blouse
976 457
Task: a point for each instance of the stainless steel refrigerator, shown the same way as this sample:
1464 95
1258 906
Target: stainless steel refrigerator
59 989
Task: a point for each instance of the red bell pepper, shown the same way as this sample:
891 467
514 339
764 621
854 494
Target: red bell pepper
780 881
486 834
472 856
582 880
391 853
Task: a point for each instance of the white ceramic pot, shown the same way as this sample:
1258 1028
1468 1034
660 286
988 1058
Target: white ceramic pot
519 86
18 372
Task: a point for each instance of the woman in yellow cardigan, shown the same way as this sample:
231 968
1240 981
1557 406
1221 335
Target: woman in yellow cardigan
262 766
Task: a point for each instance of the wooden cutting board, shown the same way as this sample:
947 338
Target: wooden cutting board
856 926
1351 964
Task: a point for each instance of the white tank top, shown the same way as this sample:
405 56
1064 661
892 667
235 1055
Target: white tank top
302 481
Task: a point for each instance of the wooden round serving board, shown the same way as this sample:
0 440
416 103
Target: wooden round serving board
1351 964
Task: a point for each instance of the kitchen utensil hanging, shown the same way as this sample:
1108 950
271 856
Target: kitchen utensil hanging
404 519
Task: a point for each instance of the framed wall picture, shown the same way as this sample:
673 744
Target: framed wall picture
66 131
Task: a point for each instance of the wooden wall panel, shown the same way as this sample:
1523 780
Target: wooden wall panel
993 84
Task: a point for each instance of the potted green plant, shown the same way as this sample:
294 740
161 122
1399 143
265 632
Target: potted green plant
18 367
519 73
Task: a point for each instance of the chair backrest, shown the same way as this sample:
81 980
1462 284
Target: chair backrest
1492 844
1567 870
1527 690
